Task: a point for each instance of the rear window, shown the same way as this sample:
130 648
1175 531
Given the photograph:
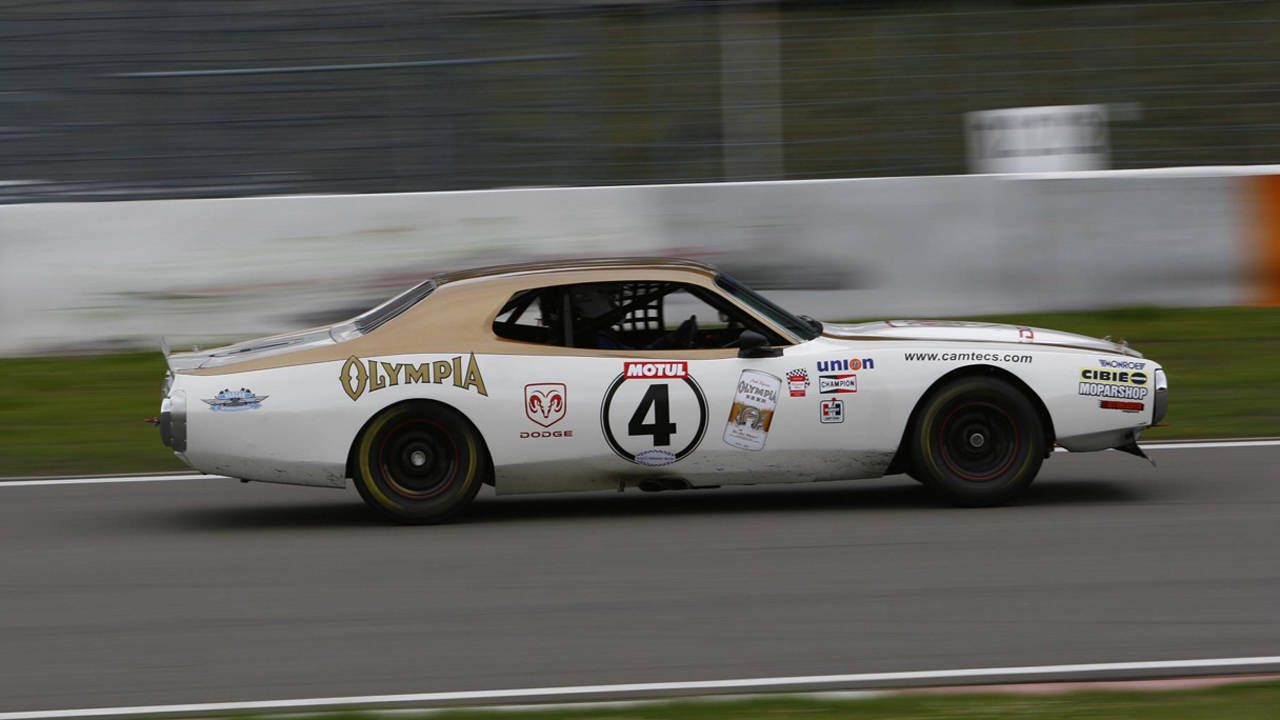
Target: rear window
367 322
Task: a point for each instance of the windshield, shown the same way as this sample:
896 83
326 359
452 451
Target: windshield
375 318
803 328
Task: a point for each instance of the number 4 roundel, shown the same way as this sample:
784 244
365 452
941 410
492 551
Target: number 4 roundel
654 413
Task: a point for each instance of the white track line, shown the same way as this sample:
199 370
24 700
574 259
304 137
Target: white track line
1210 445
1202 444
107 480
630 689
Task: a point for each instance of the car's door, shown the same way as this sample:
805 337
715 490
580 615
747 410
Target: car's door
697 413
793 418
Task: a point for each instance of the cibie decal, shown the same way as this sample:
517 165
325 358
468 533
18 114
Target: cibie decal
653 413
832 384
1113 384
846 365
798 382
831 410
1119 377
235 400
360 376
752 411
545 403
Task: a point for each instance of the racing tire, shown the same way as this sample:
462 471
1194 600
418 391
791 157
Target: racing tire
978 442
419 463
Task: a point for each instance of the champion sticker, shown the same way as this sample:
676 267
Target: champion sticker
832 384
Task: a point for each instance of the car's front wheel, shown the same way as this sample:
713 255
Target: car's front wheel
978 441
419 463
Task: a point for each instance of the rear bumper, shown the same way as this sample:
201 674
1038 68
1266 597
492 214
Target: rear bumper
173 421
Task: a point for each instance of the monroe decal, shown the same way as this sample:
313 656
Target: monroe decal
360 376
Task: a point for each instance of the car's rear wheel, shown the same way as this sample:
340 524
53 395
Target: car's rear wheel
419 463
977 442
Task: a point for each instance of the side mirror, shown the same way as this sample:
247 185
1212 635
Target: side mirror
752 344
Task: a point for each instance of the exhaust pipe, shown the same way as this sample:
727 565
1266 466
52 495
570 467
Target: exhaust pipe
660 484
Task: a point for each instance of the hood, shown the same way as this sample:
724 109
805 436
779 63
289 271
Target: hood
252 349
962 331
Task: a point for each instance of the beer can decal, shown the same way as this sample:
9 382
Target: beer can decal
752 411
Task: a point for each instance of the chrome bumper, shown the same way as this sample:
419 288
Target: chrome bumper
173 421
1162 397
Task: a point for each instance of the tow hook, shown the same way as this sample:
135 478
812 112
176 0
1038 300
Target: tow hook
1132 448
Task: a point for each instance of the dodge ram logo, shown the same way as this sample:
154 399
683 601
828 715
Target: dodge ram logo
545 403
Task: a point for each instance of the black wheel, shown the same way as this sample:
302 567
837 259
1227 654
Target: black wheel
419 463
977 442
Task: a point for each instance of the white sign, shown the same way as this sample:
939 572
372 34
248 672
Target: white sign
1053 138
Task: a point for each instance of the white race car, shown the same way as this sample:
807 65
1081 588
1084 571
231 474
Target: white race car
655 374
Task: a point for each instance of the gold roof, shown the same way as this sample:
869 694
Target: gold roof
576 265
458 316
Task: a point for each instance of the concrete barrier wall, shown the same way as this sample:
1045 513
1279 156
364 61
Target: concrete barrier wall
91 275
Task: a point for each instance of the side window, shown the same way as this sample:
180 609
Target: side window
631 315
696 318
531 316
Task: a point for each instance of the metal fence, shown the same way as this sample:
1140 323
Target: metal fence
178 98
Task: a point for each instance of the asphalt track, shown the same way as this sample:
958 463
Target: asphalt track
209 590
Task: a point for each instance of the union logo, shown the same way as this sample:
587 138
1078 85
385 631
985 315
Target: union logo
545 403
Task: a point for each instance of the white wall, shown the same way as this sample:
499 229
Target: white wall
81 275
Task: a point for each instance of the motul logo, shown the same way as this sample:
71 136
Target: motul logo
656 369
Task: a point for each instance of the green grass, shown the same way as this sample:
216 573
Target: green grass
1223 363
1242 701
67 415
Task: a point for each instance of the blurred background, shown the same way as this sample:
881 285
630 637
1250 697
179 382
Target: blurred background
125 99
207 172
627 116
